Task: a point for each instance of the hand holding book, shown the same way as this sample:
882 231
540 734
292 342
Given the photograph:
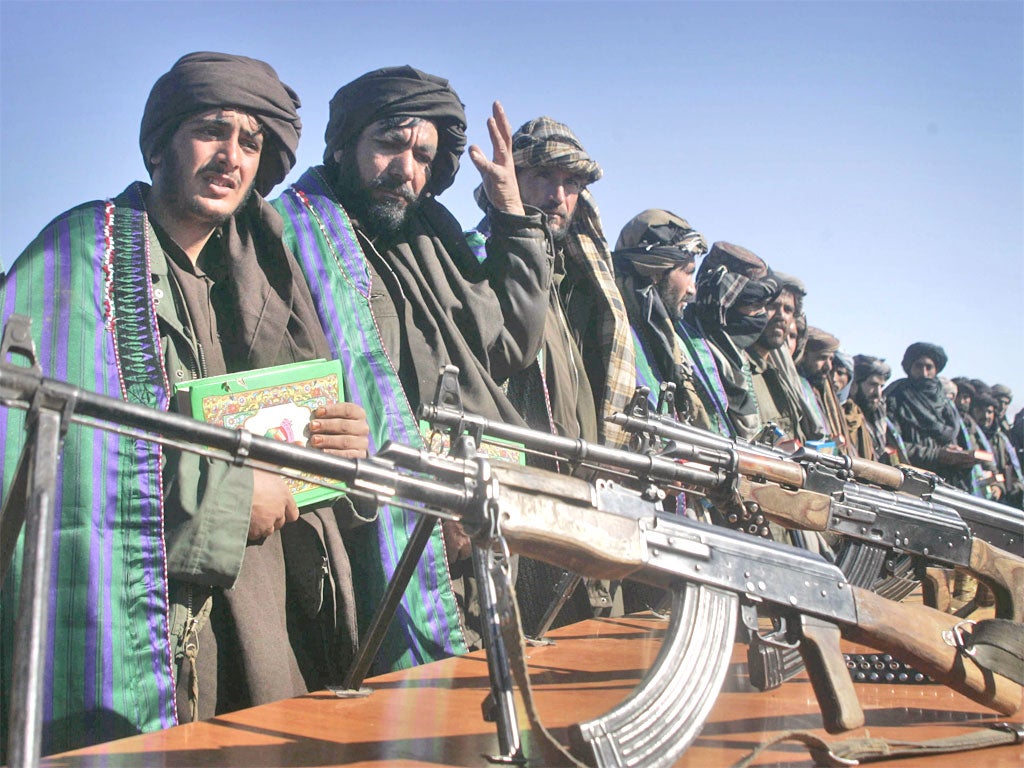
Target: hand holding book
282 402
272 505
341 429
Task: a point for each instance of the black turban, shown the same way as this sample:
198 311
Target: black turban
400 92
205 80
983 400
924 349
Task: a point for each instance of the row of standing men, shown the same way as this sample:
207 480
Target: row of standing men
185 587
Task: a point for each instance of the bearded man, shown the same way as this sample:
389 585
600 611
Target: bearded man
775 381
401 294
187 277
1004 396
1006 453
869 377
587 368
655 262
928 420
815 368
987 435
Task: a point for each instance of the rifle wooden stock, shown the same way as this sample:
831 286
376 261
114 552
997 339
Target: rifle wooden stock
913 633
1004 573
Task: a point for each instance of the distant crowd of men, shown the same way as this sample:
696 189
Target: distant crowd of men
188 587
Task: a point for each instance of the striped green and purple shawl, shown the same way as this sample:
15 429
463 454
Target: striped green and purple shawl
319 232
85 282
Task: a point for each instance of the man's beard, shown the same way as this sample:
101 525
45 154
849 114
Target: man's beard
819 380
175 200
874 411
672 298
774 335
378 217
560 231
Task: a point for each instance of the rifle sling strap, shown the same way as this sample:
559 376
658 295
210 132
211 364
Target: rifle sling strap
998 645
552 753
866 749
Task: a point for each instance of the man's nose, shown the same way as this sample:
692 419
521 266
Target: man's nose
230 152
402 166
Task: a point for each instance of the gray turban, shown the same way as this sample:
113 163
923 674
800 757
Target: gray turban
821 341
206 80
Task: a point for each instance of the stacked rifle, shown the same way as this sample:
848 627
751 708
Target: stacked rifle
601 529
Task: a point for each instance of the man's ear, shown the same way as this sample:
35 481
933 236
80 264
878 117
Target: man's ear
337 155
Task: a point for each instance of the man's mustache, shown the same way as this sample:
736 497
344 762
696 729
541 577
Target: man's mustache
397 187
218 168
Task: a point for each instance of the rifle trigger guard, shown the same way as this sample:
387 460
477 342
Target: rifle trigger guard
772 639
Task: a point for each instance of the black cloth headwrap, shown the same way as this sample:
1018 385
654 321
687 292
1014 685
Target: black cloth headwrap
732 277
207 80
923 403
400 92
921 349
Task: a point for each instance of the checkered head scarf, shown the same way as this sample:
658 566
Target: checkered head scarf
544 141
547 142
729 277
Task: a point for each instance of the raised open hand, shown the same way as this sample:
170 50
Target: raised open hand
499 174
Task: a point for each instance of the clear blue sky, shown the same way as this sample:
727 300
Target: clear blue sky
876 150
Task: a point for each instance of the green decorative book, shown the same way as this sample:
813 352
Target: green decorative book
275 402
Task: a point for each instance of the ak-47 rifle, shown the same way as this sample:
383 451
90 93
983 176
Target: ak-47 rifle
605 531
911 512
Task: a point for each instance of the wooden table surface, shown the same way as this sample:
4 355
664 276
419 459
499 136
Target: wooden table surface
430 715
